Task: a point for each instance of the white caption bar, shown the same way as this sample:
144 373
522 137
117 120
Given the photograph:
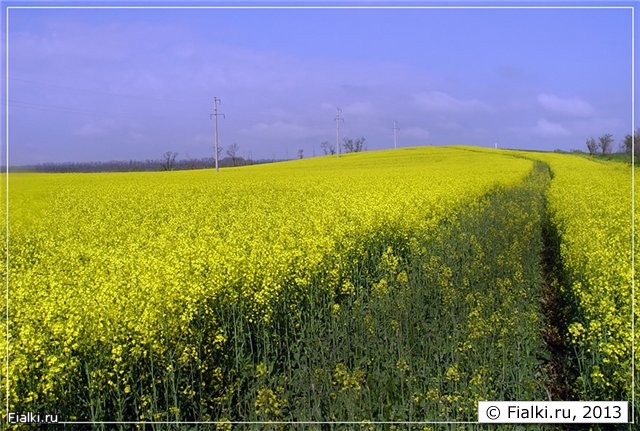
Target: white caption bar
553 412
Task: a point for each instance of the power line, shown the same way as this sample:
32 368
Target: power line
117 94
59 109
79 111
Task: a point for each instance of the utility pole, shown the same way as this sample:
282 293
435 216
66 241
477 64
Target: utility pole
395 129
215 129
338 119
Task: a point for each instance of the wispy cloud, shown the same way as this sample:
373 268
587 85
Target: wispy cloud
281 129
418 133
364 108
597 125
96 129
446 123
550 129
79 80
438 101
573 107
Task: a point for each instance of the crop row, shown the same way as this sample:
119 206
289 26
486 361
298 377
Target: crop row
137 296
590 205
399 285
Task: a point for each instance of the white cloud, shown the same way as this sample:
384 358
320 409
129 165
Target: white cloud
281 129
437 101
201 138
137 137
360 108
573 107
95 129
448 124
124 131
597 125
415 133
549 129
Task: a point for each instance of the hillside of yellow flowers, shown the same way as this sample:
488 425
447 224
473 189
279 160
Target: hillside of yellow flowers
396 285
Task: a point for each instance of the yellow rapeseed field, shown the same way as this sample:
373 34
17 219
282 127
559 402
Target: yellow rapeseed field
391 285
590 205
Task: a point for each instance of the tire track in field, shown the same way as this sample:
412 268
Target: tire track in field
559 369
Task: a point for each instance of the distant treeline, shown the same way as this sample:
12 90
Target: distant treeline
135 165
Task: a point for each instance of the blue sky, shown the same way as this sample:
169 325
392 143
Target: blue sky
120 84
